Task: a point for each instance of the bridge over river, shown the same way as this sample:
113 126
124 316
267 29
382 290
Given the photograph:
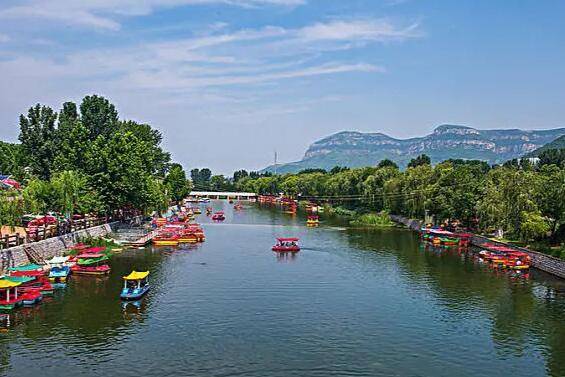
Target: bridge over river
223 195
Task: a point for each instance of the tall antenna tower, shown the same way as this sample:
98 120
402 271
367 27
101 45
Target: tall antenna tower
275 162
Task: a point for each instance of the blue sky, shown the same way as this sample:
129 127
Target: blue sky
230 81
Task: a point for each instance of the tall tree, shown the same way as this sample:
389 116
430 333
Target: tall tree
422 159
176 183
73 140
39 139
99 116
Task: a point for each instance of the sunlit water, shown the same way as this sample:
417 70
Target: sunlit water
352 303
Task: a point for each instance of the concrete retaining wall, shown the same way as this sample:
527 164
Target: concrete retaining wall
541 261
16 256
409 223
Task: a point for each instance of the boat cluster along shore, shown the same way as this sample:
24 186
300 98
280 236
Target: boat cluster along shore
495 256
28 284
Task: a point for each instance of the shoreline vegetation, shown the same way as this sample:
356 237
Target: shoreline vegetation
86 161
520 200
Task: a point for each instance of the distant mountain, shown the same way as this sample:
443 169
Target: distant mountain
356 149
558 143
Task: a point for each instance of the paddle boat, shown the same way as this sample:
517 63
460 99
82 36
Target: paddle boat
313 221
166 239
91 264
9 298
208 211
30 295
440 237
59 269
187 236
37 279
218 216
286 245
135 285
238 207
196 229
197 211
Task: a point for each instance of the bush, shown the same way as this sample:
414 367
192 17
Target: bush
381 219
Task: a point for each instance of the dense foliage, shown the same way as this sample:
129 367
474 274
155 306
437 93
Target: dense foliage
85 159
525 201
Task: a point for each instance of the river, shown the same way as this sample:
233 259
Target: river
351 303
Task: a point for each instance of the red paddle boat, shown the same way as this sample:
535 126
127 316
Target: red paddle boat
218 216
286 245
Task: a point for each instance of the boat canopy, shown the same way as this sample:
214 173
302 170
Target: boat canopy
4 283
20 279
94 250
288 239
33 273
90 256
136 275
27 267
57 260
91 261
440 232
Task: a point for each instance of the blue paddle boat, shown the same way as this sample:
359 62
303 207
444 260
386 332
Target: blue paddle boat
135 285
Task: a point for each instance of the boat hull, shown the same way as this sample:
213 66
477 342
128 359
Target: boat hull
279 249
165 243
136 296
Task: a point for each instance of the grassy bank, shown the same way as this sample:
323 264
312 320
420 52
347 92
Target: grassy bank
378 220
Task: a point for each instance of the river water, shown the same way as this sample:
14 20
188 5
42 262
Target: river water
351 303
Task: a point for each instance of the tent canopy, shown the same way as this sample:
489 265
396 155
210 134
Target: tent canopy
135 275
4 284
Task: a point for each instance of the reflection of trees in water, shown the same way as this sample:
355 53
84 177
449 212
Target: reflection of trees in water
89 311
463 286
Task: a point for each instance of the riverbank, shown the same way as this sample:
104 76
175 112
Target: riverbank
541 261
51 247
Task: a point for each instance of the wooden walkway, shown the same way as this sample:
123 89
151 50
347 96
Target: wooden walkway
146 239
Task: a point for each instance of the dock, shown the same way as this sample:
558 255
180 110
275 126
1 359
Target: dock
143 241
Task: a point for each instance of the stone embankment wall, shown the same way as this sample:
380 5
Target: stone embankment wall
544 262
541 261
47 249
409 223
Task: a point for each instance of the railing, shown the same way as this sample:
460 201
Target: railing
43 232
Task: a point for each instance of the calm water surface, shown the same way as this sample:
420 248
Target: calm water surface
352 303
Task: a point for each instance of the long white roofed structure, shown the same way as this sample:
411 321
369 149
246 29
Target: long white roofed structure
223 195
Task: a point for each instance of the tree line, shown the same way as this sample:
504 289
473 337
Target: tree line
84 159
523 199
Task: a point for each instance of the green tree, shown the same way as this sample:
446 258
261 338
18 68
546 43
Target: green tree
39 139
386 163
420 160
99 116
240 174
118 171
176 183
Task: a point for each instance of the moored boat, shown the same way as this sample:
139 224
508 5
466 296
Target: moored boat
135 285
9 298
218 216
166 239
60 270
91 264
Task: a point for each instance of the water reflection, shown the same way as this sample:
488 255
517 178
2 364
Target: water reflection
352 302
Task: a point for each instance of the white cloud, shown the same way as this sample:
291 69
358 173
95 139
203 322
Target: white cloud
102 14
372 30
4 38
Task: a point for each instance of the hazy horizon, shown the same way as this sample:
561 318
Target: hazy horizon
266 75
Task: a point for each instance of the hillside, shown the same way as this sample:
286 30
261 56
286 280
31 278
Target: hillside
356 149
558 143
